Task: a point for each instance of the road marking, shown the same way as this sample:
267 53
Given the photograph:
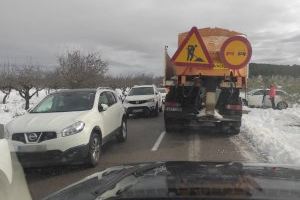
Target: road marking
194 147
158 141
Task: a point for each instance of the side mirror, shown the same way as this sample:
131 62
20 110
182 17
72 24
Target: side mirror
102 107
156 93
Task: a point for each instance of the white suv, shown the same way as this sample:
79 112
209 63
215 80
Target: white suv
143 99
68 126
163 92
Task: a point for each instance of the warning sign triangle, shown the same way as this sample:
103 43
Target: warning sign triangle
192 52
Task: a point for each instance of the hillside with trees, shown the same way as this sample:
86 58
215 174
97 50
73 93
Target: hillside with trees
256 69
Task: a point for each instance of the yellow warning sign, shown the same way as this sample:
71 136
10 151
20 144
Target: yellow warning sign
192 51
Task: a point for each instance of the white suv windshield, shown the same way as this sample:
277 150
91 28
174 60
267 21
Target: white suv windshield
66 102
141 91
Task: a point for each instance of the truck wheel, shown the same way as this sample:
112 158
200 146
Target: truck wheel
94 150
171 127
234 131
231 129
122 135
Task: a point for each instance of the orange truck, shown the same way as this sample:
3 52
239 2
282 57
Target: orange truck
204 78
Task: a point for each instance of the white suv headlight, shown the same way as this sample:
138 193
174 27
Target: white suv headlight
150 100
73 129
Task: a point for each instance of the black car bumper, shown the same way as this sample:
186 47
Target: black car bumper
75 155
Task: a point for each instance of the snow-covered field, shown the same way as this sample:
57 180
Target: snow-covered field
273 133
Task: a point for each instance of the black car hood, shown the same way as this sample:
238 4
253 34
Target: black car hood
229 180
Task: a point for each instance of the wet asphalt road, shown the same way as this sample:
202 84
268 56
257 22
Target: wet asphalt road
147 141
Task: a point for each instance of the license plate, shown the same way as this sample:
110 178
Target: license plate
137 110
174 109
209 124
32 148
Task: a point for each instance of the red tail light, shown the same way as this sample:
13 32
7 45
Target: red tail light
234 107
173 107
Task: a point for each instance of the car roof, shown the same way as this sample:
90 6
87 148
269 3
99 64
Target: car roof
77 90
255 90
83 90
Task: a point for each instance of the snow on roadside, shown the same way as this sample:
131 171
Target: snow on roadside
275 133
15 105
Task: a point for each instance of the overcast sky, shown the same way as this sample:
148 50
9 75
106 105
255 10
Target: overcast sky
131 34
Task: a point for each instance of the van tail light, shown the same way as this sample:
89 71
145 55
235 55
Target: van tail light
234 107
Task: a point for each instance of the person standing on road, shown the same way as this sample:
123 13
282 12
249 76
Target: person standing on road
272 94
264 98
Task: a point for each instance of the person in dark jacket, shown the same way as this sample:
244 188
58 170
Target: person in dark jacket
264 98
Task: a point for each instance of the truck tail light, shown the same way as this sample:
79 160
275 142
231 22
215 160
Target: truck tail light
172 104
234 107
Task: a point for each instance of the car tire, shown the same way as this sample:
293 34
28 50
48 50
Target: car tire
156 111
147 113
282 105
94 150
244 102
122 134
161 108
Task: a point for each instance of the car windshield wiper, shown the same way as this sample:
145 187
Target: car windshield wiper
135 171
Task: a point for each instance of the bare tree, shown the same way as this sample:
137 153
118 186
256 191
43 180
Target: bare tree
129 80
78 71
28 82
52 80
6 82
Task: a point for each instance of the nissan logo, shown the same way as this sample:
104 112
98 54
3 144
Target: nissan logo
32 136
